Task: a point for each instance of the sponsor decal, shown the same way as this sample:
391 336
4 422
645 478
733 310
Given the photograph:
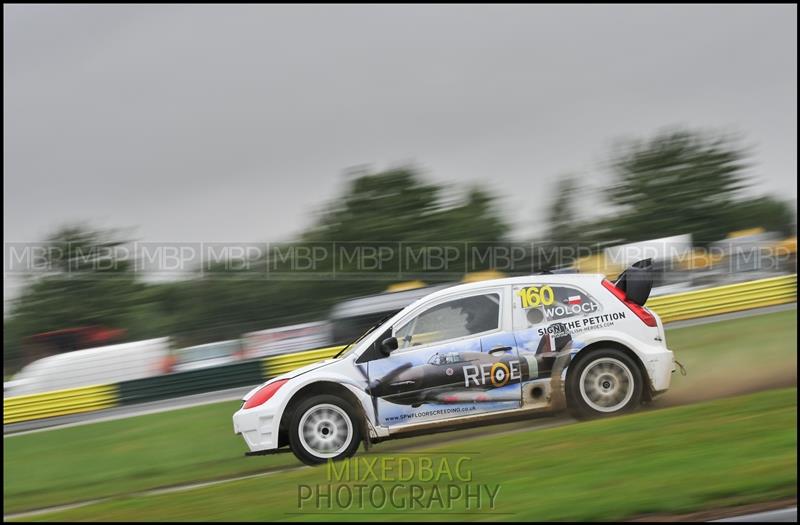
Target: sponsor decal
497 374
534 296
439 411
563 301
581 325
557 312
556 329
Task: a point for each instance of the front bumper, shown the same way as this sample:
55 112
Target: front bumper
258 426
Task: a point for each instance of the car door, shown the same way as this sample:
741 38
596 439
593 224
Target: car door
455 357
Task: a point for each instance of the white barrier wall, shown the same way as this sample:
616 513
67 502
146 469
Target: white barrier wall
102 365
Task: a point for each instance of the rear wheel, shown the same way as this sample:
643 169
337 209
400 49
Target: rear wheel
602 383
324 427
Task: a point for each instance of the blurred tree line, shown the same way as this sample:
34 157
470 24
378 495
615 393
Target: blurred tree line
222 302
677 182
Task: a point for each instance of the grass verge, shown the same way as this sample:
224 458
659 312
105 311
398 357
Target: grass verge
720 453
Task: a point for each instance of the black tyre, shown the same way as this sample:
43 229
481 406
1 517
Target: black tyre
324 427
602 383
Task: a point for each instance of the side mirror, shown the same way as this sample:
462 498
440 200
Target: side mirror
389 345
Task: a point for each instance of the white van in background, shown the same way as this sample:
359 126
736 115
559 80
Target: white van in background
93 366
207 355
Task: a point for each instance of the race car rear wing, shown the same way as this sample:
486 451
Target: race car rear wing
637 281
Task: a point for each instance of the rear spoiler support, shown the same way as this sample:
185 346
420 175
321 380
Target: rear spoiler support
637 281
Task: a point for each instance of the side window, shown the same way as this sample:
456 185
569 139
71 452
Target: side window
525 318
537 304
450 320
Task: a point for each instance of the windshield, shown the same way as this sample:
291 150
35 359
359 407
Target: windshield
347 350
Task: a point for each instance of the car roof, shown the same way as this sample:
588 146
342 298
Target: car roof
564 278
555 278
390 301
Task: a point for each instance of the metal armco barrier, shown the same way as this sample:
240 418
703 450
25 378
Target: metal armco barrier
725 299
190 382
676 307
59 403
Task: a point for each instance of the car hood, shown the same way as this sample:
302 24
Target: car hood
308 368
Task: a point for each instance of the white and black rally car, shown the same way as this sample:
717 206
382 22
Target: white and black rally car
471 354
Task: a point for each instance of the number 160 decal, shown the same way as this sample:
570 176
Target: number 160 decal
534 296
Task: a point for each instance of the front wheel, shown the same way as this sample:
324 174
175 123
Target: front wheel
602 383
324 427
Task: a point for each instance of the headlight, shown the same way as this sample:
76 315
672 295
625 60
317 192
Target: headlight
263 394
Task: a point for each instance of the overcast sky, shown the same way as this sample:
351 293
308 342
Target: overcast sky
233 123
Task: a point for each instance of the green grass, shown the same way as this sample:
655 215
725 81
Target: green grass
115 457
119 457
726 452
721 358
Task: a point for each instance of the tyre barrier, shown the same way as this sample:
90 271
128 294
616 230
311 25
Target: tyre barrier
59 403
725 299
675 307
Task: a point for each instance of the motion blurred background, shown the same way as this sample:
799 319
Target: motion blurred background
207 188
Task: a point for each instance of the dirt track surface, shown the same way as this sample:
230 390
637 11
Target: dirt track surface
715 389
